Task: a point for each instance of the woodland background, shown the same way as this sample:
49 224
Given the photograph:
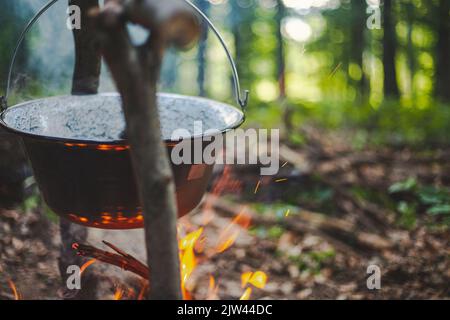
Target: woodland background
364 115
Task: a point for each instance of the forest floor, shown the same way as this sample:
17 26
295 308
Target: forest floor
313 230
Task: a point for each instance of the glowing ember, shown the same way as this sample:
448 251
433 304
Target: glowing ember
187 259
16 293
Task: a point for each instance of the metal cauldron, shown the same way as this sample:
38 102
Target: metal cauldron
82 167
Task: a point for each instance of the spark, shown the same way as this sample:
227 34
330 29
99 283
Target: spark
257 186
14 290
87 264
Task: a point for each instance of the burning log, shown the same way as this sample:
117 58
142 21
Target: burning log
136 72
119 259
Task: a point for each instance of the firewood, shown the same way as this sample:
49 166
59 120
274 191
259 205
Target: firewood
119 259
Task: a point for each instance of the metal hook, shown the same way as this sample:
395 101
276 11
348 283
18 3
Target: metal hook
242 99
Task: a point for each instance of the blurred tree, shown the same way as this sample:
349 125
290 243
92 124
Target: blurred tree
12 21
357 46
443 52
410 52
242 16
389 51
280 52
13 164
203 5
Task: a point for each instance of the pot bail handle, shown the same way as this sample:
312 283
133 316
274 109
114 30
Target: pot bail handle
30 24
242 98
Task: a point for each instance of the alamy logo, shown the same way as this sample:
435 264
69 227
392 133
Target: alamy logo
74 280
374 20
374 279
74 19
238 146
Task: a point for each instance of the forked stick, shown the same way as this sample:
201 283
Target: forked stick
135 70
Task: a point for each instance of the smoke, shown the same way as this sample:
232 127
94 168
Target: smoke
50 50
50 57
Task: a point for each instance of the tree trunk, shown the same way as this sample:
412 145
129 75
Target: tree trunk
443 52
389 52
87 68
85 81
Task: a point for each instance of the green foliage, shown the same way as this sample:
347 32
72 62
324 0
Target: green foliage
272 233
435 202
408 185
313 261
408 217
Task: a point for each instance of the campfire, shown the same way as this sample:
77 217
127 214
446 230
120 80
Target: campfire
131 131
195 248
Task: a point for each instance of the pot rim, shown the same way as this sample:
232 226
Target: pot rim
121 142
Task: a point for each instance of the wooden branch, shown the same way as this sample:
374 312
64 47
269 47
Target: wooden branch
87 68
175 20
119 259
136 72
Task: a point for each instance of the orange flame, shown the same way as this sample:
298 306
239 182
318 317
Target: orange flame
229 235
143 290
247 294
212 289
118 294
16 293
187 259
258 279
